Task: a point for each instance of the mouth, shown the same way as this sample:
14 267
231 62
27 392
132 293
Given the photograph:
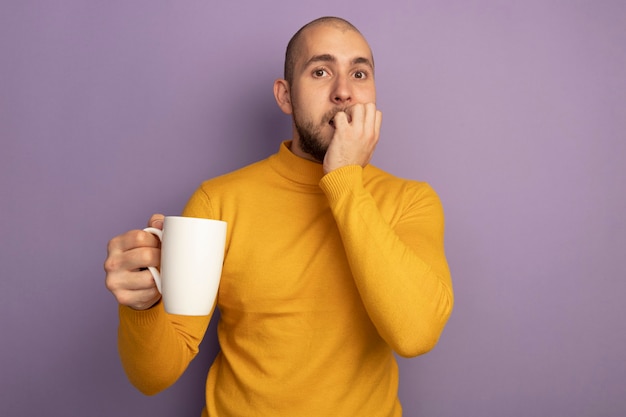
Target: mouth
331 122
331 116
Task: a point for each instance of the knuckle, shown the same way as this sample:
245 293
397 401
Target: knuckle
114 244
146 257
125 298
110 284
111 264
138 236
114 283
142 238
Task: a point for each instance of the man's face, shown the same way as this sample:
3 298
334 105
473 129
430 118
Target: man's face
334 71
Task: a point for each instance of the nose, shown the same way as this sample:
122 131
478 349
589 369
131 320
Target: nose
341 92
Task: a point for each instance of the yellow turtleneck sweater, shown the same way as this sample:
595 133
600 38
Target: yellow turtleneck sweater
324 277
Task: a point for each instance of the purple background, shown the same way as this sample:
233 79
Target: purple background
110 111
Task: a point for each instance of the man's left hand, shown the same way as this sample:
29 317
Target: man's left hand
356 134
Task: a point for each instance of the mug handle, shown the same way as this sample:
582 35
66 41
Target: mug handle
156 275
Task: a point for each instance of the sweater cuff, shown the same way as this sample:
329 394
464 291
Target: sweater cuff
142 317
341 181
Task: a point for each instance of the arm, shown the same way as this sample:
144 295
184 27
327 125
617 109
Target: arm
401 270
155 347
399 266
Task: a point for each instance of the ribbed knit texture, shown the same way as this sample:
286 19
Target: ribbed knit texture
324 277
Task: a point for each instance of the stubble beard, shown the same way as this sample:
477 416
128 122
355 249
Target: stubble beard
311 142
310 136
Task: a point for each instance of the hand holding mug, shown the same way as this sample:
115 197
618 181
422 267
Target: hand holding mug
126 275
190 257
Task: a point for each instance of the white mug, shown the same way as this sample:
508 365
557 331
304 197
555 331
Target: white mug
192 255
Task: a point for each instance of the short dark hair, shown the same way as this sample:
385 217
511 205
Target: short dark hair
293 47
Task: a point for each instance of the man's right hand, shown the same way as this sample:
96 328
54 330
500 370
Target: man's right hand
128 257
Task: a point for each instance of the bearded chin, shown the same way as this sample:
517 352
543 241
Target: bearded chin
311 142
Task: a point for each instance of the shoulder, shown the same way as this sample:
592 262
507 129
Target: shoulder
244 177
225 192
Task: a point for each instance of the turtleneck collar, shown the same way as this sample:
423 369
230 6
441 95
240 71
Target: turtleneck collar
295 168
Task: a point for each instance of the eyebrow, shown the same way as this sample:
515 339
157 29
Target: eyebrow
331 58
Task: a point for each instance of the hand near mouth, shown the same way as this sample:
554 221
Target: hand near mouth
357 130
346 112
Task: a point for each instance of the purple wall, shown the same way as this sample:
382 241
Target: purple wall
110 111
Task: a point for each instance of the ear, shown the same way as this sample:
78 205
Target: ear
283 96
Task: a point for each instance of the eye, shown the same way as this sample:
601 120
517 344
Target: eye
320 73
360 75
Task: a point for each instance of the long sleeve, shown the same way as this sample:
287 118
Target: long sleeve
156 347
323 276
397 259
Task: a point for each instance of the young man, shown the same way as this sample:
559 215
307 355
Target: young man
331 264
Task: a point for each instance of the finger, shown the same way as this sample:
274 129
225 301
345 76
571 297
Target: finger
370 118
138 281
131 240
138 300
139 259
358 115
378 123
341 120
130 281
355 113
120 262
134 289
156 220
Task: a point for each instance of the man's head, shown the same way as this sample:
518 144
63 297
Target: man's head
328 67
294 47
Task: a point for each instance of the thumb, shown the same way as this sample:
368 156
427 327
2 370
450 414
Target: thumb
156 220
